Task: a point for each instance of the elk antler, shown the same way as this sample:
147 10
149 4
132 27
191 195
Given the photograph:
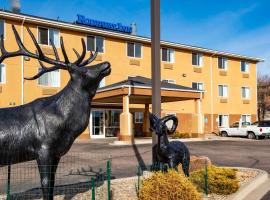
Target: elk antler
57 64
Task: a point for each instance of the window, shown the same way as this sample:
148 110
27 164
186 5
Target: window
223 90
134 50
197 59
197 86
255 123
47 36
102 83
244 66
223 120
245 92
95 42
2 73
138 117
169 81
235 125
245 124
246 119
222 63
2 27
167 55
50 79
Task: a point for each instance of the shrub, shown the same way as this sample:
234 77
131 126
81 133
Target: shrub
178 135
220 180
168 186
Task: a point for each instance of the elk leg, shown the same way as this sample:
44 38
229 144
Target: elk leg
47 168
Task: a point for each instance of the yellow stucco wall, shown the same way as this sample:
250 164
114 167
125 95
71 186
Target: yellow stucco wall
116 53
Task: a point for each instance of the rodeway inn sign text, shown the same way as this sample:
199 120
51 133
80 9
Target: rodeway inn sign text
105 25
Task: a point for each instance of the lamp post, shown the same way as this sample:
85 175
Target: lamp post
155 68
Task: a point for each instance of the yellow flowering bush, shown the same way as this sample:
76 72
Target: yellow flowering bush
220 180
168 186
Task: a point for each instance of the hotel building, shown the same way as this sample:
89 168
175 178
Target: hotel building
204 88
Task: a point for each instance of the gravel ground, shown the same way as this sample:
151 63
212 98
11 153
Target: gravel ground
125 189
243 175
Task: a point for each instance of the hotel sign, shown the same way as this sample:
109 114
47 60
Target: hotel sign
105 25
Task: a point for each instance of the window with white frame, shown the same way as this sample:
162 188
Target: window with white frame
223 120
50 79
169 81
134 50
48 36
2 27
101 83
246 118
2 73
197 59
167 55
223 91
197 86
222 63
244 66
138 117
95 42
245 92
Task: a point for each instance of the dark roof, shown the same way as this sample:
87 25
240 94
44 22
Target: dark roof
139 81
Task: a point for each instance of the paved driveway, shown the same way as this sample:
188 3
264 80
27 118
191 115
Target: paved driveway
244 153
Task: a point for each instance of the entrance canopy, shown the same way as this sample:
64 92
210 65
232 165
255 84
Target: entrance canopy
139 90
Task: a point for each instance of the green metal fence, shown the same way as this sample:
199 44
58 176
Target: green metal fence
79 176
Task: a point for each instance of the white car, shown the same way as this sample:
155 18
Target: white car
245 129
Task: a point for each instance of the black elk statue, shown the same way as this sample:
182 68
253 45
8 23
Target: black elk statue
171 153
45 129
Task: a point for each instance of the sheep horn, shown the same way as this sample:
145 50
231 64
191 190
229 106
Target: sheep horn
175 122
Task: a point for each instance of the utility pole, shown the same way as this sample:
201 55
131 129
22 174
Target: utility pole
155 70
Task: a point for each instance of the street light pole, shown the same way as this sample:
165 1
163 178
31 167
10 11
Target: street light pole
155 62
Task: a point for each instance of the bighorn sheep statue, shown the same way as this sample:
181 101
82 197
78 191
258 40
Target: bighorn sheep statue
171 153
45 129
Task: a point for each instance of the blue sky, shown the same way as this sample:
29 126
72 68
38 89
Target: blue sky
241 26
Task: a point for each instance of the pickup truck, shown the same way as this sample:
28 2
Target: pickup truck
245 129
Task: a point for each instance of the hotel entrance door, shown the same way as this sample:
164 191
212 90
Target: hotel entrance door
97 128
104 123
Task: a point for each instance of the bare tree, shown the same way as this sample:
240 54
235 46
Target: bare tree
263 95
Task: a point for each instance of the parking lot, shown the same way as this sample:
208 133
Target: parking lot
231 152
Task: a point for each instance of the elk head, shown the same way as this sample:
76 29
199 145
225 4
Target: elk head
86 77
160 127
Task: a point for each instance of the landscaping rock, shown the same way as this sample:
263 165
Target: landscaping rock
199 162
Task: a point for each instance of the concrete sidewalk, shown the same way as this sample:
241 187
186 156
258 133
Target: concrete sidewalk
208 137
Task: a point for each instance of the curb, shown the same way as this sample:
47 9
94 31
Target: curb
149 141
248 188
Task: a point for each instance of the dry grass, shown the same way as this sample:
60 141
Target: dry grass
168 186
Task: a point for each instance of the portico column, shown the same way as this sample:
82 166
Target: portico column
198 123
126 122
146 122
